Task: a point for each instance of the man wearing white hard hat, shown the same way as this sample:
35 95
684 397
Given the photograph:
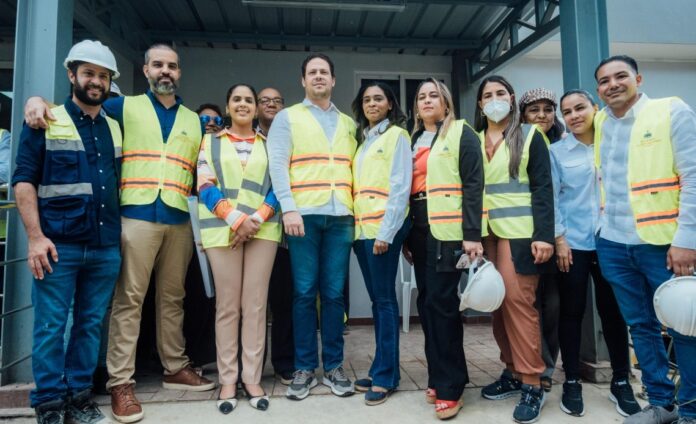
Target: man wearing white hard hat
645 154
66 186
161 139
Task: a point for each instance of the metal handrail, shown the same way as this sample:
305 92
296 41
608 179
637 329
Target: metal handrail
15 362
6 205
14 311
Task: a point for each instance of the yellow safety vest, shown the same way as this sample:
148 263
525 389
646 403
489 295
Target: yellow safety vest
318 168
62 134
507 202
152 167
371 184
244 187
444 185
653 182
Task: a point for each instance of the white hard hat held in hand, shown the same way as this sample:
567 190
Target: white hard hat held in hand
485 289
92 52
675 304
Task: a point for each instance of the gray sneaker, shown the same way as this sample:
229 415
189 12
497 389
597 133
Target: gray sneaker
302 382
685 420
652 414
338 381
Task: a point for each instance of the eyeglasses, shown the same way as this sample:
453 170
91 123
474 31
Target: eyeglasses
207 118
267 101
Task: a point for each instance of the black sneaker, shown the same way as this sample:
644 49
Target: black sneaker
529 407
51 412
571 400
80 409
622 395
504 388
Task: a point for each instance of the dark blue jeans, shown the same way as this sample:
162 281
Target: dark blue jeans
86 276
379 273
319 263
634 273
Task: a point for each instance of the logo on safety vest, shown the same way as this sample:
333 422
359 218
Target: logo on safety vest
647 139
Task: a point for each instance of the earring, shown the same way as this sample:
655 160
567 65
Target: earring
417 115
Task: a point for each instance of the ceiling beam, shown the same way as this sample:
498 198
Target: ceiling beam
104 34
310 40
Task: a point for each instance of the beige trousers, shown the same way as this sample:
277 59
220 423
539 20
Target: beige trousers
516 323
166 249
241 292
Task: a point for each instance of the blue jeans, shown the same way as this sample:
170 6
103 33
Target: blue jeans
634 273
84 276
319 262
379 273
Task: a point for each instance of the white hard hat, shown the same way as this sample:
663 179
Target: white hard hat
675 304
485 289
92 52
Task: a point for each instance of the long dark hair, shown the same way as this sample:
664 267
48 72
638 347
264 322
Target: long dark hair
513 133
395 115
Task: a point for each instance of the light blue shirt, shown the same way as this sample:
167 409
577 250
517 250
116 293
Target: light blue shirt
399 181
617 223
5 150
279 144
575 198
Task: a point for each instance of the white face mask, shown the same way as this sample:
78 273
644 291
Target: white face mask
496 110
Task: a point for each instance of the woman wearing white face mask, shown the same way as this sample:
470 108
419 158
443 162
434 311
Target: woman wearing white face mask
519 230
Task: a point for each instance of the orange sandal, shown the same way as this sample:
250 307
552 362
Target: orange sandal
446 409
430 396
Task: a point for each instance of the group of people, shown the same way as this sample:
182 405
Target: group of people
102 188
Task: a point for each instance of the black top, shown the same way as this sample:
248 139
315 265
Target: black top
541 187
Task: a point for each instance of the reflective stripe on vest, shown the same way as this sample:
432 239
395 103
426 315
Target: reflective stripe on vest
371 185
444 185
319 168
653 184
62 135
507 203
151 167
245 188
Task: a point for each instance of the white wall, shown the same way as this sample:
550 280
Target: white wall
207 74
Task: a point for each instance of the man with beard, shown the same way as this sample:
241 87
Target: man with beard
161 138
310 149
66 185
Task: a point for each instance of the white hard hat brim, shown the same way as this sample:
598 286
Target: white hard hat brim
114 72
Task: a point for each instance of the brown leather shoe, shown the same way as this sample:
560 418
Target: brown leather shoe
125 407
187 379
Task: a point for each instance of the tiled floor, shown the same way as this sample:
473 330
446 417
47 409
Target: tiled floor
479 346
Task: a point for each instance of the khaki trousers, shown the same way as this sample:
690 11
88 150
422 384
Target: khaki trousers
166 249
516 323
241 292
